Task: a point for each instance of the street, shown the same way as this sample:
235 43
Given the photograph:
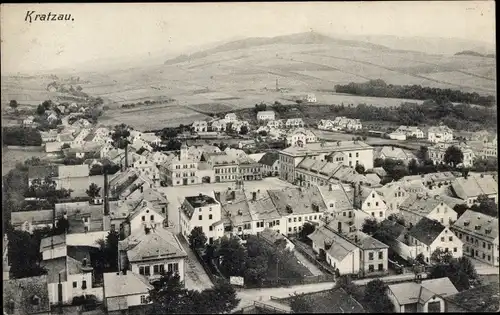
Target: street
195 277
483 268
309 265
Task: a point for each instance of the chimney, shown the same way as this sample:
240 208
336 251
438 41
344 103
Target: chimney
106 192
233 195
328 244
254 196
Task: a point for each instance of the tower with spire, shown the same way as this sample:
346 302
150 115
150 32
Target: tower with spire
184 152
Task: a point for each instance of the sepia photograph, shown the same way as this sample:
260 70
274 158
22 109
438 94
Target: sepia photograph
249 158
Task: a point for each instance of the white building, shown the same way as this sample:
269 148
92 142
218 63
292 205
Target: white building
437 153
441 133
479 233
411 131
419 206
300 136
471 187
123 291
201 211
266 115
294 123
180 170
200 126
230 117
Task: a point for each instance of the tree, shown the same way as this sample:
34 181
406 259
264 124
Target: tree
460 209
307 229
112 240
345 282
62 226
486 206
197 238
439 256
301 304
93 191
360 169
461 272
40 110
47 104
120 139
13 104
243 130
453 156
24 254
232 256
370 226
263 133
168 296
376 297
422 153
399 219
221 299
413 167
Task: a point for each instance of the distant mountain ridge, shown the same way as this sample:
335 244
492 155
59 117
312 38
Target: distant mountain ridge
474 53
294 39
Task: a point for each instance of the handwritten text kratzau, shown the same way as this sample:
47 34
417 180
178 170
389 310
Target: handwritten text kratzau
32 16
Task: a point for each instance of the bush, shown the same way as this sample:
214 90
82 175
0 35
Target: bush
21 136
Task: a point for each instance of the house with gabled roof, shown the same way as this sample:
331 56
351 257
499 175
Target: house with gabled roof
151 253
393 194
71 276
428 235
441 133
425 297
125 291
270 164
369 200
418 206
350 252
471 187
411 131
479 232
26 296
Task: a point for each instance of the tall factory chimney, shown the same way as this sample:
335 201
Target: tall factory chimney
277 88
106 192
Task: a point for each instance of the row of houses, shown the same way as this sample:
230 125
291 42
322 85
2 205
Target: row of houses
340 123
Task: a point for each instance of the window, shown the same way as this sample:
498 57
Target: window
315 217
380 255
454 249
368 204
112 227
489 257
300 219
289 220
373 214
380 267
357 154
143 218
295 219
450 238
489 246
75 284
442 221
156 269
381 214
376 204
84 284
144 300
289 229
484 245
210 228
371 268
370 256
442 239
152 217
210 217
200 217
141 270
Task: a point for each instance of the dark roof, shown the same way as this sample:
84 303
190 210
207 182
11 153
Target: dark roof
426 230
480 299
200 201
331 302
24 292
43 171
55 267
269 158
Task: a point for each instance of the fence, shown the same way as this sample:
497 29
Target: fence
306 251
285 282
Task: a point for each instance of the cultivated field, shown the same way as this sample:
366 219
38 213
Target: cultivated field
151 119
11 157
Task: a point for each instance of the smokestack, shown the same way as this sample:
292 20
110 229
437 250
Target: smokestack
277 89
106 192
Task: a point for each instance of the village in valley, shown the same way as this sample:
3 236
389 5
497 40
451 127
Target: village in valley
298 206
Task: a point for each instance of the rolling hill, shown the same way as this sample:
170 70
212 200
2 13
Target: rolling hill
243 72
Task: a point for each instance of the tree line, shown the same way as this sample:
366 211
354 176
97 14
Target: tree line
379 88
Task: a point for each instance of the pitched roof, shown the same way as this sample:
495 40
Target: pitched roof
269 158
36 217
340 247
55 267
118 284
234 210
412 292
326 147
422 204
271 236
56 240
158 243
23 292
43 171
484 298
340 196
298 200
473 186
426 230
477 224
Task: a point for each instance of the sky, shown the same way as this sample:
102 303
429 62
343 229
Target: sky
102 31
